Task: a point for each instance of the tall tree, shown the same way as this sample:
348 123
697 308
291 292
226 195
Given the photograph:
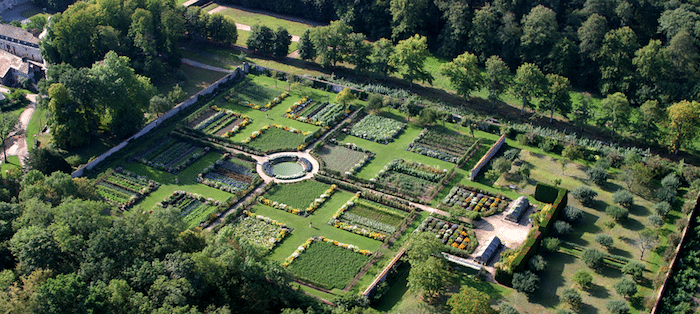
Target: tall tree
529 82
454 35
69 127
556 95
470 301
498 78
330 42
261 39
463 73
591 35
539 34
281 42
683 123
381 57
509 36
306 46
358 52
409 55
615 59
614 111
408 17
8 124
483 37
429 277
654 69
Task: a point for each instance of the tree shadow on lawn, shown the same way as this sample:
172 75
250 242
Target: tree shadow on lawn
552 279
598 205
391 115
632 224
609 272
619 252
611 187
639 210
598 291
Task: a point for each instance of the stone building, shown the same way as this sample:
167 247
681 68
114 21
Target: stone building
20 42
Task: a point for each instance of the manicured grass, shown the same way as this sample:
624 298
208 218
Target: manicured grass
388 216
327 265
197 80
276 138
339 158
297 195
12 163
35 125
287 168
249 18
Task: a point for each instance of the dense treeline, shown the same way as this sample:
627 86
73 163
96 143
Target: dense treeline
62 252
646 50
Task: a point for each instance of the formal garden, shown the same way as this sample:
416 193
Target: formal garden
336 232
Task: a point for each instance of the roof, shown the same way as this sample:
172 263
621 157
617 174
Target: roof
487 250
517 208
9 61
18 33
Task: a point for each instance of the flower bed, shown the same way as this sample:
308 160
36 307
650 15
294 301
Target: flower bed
442 144
326 263
348 158
297 196
455 236
259 230
377 128
408 178
327 115
367 219
124 188
229 176
175 157
473 199
194 207
275 137
275 101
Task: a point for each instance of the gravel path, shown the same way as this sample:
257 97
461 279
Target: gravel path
17 142
204 66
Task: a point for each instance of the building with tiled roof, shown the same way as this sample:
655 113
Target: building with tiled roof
19 42
13 67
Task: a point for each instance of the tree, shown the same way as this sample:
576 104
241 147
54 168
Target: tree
617 307
625 287
529 82
408 17
46 161
281 41
345 96
177 94
429 115
551 244
682 123
556 95
222 28
463 73
591 34
8 124
381 57
502 165
159 104
61 293
36 24
69 124
597 175
429 276
572 214
605 240
358 52
580 112
583 279
634 268
646 240
593 258
662 208
537 263
409 55
497 79
571 297
330 42
654 70
375 102
563 228
470 301
584 194
422 245
617 213
525 282
615 59
483 36
539 34
614 111
636 176
306 46
261 39
624 198
671 181
573 152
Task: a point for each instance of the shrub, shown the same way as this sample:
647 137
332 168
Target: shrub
571 297
505 308
573 152
665 194
512 154
564 311
537 263
617 307
624 198
525 282
593 258
375 102
526 139
473 215
572 214
584 194
662 208
583 279
617 213
551 244
597 175
548 145
656 221
625 287
634 268
604 240
563 228
671 181
603 163
502 165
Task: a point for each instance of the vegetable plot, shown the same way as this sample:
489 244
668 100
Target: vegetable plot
377 128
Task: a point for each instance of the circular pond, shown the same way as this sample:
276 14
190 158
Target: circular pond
288 169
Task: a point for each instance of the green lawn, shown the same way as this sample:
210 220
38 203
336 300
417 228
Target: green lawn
12 163
297 195
36 123
249 18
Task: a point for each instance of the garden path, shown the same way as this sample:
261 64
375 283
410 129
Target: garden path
16 142
204 66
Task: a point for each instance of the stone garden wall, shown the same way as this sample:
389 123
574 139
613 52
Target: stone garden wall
487 157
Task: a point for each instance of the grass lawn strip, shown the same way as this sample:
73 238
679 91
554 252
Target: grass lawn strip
259 230
327 263
297 194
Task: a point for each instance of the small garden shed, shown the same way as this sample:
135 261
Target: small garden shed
517 208
487 250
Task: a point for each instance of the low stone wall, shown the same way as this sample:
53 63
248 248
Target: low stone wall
149 127
487 157
383 274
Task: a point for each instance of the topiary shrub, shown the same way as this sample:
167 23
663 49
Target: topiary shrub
624 198
525 282
583 279
572 214
551 244
656 221
548 145
665 194
563 228
597 175
512 154
593 258
604 240
571 297
671 181
662 208
584 194
634 268
537 263
617 213
617 307
625 287
573 152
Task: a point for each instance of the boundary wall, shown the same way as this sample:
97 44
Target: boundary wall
485 159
